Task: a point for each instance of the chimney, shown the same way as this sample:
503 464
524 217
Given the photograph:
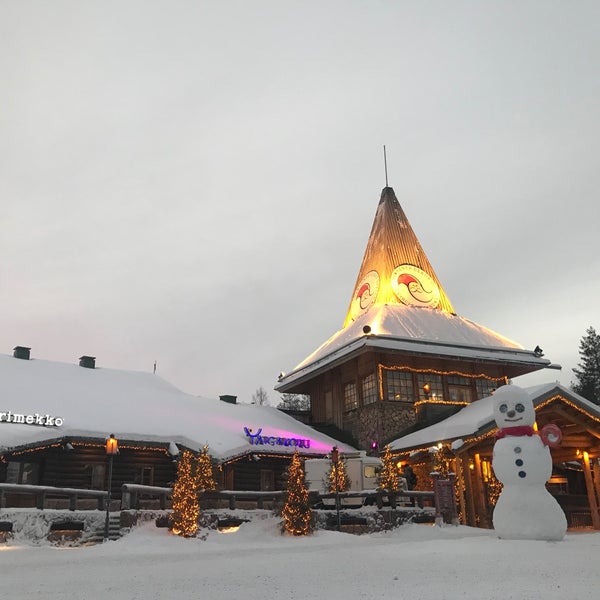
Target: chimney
229 399
21 352
88 362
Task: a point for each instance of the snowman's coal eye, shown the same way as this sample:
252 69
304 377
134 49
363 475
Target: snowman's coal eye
519 407
503 408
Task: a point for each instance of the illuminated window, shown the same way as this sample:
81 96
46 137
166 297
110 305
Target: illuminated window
350 396
459 389
485 387
436 389
369 389
400 386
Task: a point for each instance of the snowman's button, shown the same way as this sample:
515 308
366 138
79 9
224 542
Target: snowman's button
519 462
522 474
517 449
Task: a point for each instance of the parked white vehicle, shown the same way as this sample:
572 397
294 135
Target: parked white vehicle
362 470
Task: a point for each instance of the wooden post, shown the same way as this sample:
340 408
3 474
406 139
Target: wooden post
596 473
469 495
484 520
73 502
591 492
460 486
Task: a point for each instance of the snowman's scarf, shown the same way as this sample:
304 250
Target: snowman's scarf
519 430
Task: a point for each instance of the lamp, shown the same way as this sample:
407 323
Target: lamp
426 390
112 448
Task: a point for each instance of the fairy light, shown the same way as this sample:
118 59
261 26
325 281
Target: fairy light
186 508
296 511
437 401
381 368
388 476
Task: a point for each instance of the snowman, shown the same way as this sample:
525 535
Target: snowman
522 463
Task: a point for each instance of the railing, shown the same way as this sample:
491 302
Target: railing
131 493
43 492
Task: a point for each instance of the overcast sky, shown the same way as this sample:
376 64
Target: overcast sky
195 182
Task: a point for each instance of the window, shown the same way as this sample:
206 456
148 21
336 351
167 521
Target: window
267 480
436 388
97 479
350 396
459 389
400 387
369 389
485 387
25 473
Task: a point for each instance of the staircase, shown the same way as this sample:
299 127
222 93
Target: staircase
96 536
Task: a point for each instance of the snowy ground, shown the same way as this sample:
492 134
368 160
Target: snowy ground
412 562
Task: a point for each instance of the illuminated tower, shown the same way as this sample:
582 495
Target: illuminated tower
403 357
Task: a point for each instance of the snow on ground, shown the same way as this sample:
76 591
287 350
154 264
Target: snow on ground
416 562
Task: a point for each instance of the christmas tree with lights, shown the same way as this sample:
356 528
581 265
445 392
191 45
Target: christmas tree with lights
296 511
204 470
186 508
336 478
388 476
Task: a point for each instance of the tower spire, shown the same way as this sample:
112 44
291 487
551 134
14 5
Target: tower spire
395 269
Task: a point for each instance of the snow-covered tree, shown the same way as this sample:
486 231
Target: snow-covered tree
294 402
588 369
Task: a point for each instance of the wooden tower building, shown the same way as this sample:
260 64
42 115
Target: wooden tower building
403 358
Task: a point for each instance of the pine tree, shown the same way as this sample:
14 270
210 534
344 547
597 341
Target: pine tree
337 478
205 475
388 476
296 511
588 371
186 509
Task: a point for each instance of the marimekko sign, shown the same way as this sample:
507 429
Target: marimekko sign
35 419
257 439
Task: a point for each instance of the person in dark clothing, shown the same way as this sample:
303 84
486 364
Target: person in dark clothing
409 475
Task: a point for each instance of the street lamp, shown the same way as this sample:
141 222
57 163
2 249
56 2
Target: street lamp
112 448
335 460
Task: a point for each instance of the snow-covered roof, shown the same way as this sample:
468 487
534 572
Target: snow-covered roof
479 416
415 330
136 406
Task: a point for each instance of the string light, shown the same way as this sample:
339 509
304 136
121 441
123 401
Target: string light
296 511
388 476
381 368
436 401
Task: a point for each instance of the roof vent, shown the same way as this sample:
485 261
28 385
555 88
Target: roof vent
89 362
229 399
21 352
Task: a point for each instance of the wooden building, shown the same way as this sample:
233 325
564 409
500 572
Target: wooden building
55 418
403 358
463 443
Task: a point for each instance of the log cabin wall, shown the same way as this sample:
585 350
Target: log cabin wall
382 415
85 467
257 473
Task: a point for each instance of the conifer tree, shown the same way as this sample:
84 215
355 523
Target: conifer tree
337 473
296 510
388 476
186 509
588 371
205 475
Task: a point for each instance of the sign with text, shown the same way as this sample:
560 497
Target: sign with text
258 439
34 419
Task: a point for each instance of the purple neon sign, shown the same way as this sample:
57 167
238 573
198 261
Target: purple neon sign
257 439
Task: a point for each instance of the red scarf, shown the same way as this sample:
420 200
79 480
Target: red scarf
519 430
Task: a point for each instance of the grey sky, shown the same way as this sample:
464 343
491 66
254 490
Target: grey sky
195 182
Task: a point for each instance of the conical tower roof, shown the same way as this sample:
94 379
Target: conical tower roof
395 269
